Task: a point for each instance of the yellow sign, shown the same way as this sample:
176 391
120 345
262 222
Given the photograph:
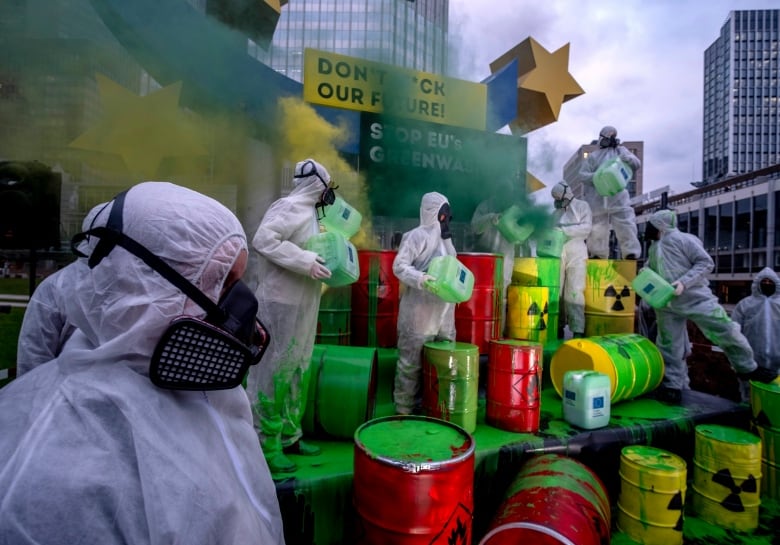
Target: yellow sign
352 83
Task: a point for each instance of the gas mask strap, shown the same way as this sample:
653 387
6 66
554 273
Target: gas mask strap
166 271
113 228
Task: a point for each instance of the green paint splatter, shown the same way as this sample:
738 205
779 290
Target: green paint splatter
413 439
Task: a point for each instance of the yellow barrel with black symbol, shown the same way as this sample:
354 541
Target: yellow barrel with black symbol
527 313
652 495
727 476
542 272
609 297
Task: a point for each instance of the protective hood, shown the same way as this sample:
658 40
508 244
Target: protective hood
121 306
765 273
429 208
664 220
310 179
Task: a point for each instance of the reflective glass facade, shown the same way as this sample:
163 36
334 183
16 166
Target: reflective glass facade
399 32
741 94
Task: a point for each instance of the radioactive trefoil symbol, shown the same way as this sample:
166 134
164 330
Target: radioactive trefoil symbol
533 310
612 292
733 502
677 504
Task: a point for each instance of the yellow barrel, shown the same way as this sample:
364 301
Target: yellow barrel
765 404
632 362
527 312
609 298
770 461
652 495
726 476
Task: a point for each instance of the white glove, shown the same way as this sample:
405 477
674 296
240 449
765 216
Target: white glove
678 288
423 280
318 270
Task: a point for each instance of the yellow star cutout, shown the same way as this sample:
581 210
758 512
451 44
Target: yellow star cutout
543 83
141 130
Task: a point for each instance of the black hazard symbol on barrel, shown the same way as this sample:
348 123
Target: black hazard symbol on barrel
677 504
733 501
457 530
612 292
533 310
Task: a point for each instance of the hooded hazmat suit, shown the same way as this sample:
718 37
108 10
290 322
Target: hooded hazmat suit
91 451
45 326
680 257
758 315
490 239
422 316
614 211
289 300
574 219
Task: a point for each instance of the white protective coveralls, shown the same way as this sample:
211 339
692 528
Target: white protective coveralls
574 219
759 315
490 239
422 316
91 451
45 326
614 211
680 257
289 300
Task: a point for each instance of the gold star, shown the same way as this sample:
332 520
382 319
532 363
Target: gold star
543 83
141 130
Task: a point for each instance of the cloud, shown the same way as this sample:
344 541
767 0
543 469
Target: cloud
640 64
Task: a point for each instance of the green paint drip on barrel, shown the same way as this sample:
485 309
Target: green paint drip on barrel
450 380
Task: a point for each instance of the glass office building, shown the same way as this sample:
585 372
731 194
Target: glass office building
410 34
741 94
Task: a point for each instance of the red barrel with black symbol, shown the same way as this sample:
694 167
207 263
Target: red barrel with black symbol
514 384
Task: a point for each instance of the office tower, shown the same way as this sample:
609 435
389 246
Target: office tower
410 34
741 94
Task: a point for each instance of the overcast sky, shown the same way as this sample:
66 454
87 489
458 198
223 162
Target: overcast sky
640 63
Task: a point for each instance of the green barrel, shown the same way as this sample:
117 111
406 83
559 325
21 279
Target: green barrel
341 390
333 317
450 382
387 358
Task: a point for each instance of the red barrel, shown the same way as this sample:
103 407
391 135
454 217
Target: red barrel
413 482
514 384
478 320
553 500
375 298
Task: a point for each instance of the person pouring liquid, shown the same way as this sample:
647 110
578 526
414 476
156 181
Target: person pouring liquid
573 217
680 259
288 294
422 316
610 212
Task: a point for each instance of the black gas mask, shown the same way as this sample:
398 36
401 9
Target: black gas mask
328 196
608 141
444 217
767 287
652 232
192 354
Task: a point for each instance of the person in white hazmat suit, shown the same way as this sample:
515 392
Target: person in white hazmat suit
422 316
489 239
573 217
288 294
758 315
612 212
92 451
45 326
680 259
